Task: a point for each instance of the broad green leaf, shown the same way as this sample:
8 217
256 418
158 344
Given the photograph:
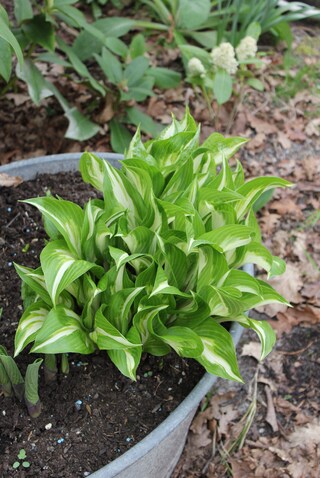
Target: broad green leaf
6 60
146 123
22 10
86 44
191 51
256 84
62 332
80 67
40 31
37 85
135 70
65 215
7 35
208 38
61 267
218 356
30 323
164 77
138 91
137 46
222 86
120 136
111 66
127 360
80 128
190 15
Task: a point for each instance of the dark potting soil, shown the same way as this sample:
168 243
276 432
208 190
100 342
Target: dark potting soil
115 412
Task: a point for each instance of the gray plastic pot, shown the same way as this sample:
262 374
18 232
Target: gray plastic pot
157 454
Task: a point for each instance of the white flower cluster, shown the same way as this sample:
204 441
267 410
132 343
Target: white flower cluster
196 68
223 56
247 48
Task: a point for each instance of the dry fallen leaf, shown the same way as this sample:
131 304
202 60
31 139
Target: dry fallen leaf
261 126
9 181
252 349
271 416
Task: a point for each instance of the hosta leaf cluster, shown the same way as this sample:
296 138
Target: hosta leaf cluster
156 264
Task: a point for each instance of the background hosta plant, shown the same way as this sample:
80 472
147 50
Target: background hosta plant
155 265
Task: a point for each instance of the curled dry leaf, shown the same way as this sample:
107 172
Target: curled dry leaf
10 181
252 349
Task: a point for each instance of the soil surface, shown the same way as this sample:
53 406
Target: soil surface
115 412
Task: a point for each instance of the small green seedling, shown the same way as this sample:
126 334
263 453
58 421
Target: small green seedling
21 457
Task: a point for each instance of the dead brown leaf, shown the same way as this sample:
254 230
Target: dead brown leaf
286 206
260 125
257 142
9 181
284 141
252 349
313 127
271 416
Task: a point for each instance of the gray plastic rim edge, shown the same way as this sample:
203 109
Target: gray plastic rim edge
29 169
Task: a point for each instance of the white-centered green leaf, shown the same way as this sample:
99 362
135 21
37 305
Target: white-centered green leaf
61 267
62 332
30 323
65 215
219 355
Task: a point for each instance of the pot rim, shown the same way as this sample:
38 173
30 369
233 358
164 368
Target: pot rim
28 169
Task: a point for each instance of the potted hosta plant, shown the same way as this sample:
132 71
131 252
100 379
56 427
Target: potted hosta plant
154 265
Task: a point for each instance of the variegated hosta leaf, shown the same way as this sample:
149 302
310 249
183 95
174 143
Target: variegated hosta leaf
118 190
264 331
161 285
35 279
92 169
62 332
30 323
226 238
65 215
253 189
222 301
120 305
220 147
127 360
61 268
143 317
242 281
211 266
219 355
183 340
88 232
108 337
268 296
